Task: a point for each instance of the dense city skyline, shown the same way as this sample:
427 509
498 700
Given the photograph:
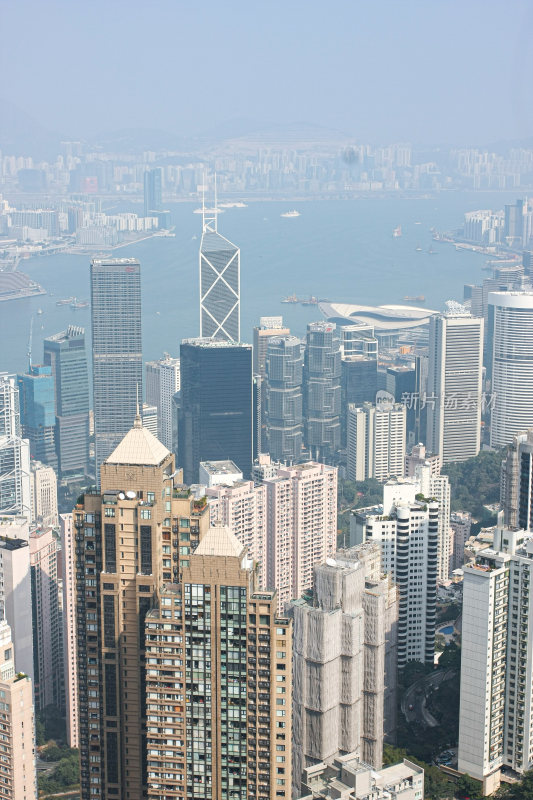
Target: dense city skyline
266 400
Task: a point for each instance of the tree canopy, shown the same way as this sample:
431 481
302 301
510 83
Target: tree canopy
475 483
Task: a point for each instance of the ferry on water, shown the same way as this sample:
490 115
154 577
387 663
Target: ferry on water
292 213
397 232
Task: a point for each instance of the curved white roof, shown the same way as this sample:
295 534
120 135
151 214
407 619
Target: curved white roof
383 318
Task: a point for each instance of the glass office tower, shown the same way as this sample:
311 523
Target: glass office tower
117 350
152 191
322 391
65 354
216 408
37 413
219 283
284 421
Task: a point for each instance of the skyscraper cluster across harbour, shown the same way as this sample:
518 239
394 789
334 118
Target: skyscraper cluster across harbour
195 613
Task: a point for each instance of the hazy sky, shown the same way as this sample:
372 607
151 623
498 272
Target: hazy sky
430 71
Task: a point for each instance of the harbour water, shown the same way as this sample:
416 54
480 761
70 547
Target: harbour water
341 250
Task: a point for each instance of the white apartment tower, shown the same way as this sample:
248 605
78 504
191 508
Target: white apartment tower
15 589
496 702
70 645
241 507
169 384
407 530
344 661
15 481
438 487
301 525
510 364
454 384
18 777
375 441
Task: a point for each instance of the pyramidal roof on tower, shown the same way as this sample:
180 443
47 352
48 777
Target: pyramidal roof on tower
139 447
219 541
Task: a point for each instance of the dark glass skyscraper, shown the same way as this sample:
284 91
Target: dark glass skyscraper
216 407
284 366
219 284
152 191
37 413
65 354
117 350
322 391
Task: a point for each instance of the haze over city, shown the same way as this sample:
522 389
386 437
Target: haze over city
266 400
438 72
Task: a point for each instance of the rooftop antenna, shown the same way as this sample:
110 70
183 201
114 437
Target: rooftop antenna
209 215
138 422
203 203
216 208
30 343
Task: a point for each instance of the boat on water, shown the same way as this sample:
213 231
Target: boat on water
304 301
432 252
420 298
418 223
79 303
292 213
397 232
66 302
233 205
39 311
418 248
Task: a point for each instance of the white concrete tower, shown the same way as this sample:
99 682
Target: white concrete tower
510 364
454 384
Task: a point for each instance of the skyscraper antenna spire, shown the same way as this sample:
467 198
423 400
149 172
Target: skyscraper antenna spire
138 421
216 207
203 203
209 215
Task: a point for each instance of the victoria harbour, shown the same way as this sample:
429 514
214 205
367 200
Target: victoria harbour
342 250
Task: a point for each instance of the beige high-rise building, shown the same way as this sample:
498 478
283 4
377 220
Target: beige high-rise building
44 494
219 684
172 700
131 537
344 661
18 778
301 525
70 646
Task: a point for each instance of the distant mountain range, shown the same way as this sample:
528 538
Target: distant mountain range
23 135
